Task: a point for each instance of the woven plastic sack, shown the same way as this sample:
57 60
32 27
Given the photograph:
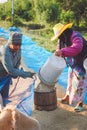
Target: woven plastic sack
21 95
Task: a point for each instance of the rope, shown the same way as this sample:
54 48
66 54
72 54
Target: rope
14 87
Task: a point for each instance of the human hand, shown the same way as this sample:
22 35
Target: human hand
32 74
58 52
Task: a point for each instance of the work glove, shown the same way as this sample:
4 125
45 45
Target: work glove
32 74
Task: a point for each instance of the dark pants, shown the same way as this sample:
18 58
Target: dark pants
5 93
5 90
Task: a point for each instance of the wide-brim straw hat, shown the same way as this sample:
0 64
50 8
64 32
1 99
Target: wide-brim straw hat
59 29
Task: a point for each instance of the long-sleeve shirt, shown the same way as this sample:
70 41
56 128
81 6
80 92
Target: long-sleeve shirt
75 48
10 63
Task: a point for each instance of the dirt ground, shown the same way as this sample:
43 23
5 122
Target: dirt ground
62 118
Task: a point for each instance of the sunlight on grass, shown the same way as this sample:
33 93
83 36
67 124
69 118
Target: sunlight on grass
41 36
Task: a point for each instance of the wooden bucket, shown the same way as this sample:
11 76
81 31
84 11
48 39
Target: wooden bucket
45 100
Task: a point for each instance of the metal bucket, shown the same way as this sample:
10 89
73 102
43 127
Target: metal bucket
51 70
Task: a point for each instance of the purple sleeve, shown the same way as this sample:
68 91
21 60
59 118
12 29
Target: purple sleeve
74 49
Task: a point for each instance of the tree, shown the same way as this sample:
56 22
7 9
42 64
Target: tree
78 7
52 13
67 16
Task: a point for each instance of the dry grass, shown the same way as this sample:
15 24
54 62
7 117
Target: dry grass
2 41
42 37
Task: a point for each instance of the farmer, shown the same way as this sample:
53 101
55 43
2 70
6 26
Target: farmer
11 64
73 48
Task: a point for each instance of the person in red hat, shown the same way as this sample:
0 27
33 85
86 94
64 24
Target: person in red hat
73 48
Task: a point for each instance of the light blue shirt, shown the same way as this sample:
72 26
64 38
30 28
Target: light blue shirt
10 63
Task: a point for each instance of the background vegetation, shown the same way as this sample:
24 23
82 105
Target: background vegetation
37 17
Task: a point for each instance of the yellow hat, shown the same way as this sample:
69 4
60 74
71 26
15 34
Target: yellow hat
59 29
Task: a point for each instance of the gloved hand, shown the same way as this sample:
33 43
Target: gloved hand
32 74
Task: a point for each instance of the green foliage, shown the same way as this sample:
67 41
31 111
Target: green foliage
28 16
45 11
24 10
17 22
52 13
67 16
43 38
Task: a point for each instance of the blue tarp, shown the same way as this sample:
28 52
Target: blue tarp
12 29
35 56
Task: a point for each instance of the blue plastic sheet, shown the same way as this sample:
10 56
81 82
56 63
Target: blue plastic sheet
26 104
14 29
2 30
4 81
35 56
4 33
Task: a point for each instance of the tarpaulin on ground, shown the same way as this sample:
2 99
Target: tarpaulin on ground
35 56
21 94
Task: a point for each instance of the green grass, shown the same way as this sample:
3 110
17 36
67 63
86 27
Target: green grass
84 34
41 36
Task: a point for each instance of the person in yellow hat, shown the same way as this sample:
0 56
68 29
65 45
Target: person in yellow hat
73 48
